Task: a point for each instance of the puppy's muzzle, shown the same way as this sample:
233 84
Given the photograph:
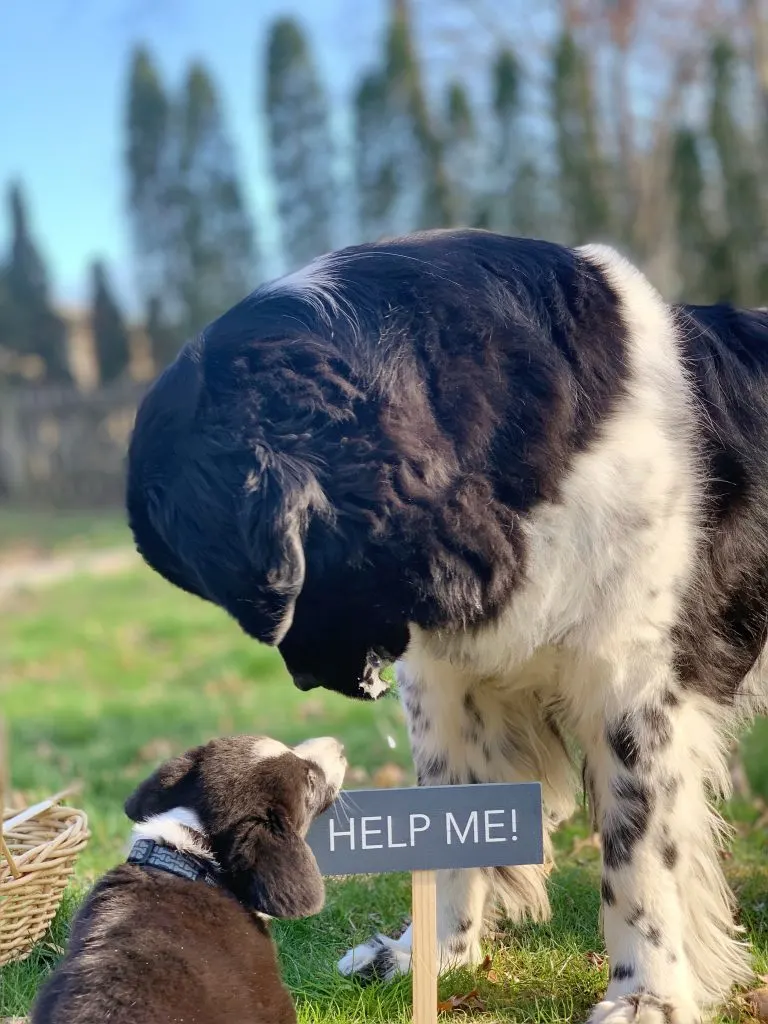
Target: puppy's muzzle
328 753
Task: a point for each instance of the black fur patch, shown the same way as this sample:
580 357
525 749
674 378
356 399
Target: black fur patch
295 423
723 625
635 914
380 967
623 741
434 769
670 855
654 936
628 823
657 726
607 893
622 972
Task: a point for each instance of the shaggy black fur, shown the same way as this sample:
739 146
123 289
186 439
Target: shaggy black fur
329 466
725 626
328 471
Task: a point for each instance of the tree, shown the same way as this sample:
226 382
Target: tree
193 240
736 259
695 242
583 185
461 152
401 177
301 145
110 334
33 328
163 337
421 151
211 253
147 154
517 186
376 172
506 94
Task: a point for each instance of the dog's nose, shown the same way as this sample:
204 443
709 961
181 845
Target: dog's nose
304 681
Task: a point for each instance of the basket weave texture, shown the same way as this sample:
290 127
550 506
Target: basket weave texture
44 851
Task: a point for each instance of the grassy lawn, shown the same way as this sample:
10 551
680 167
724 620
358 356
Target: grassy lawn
101 679
31 532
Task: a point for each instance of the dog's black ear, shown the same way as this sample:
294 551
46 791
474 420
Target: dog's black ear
169 786
275 515
277 874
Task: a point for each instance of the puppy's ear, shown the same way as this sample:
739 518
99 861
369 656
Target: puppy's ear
169 786
277 874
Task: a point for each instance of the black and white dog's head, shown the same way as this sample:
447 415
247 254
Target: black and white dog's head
349 451
247 802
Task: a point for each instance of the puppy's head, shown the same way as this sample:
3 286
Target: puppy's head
255 799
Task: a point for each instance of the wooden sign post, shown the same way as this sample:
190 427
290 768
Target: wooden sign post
421 830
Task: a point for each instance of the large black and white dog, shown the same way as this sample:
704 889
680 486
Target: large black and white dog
513 469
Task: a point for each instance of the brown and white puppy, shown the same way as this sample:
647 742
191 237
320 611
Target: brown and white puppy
178 932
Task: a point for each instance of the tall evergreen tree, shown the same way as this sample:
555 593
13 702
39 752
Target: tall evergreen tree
210 252
693 234
517 187
148 153
422 152
193 239
110 333
581 164
461 155
301 144
737 258
401 176
377 174
163 336
34 328
506 94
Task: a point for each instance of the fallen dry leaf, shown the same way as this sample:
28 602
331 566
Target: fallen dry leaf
468 1003
388 776
356 775
486 965
757 1001
596 959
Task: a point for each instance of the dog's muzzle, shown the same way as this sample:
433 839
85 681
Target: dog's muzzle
370 683
304 681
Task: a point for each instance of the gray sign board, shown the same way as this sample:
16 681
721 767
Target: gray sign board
430 827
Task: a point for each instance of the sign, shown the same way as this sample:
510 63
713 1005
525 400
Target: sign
425 828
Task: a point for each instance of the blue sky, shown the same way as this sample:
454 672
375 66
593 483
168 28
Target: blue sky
63 68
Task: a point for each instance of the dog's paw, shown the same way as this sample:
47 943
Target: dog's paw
379 959
643 1009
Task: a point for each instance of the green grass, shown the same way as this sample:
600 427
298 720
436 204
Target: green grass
43 532
101 679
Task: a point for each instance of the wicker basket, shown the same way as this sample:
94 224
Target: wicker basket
41 846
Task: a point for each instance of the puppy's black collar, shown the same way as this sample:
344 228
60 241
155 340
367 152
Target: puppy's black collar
149 854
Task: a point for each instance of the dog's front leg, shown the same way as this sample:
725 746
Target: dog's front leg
667 913
469 732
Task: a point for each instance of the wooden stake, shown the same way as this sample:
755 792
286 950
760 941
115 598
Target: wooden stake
4 777
424 948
